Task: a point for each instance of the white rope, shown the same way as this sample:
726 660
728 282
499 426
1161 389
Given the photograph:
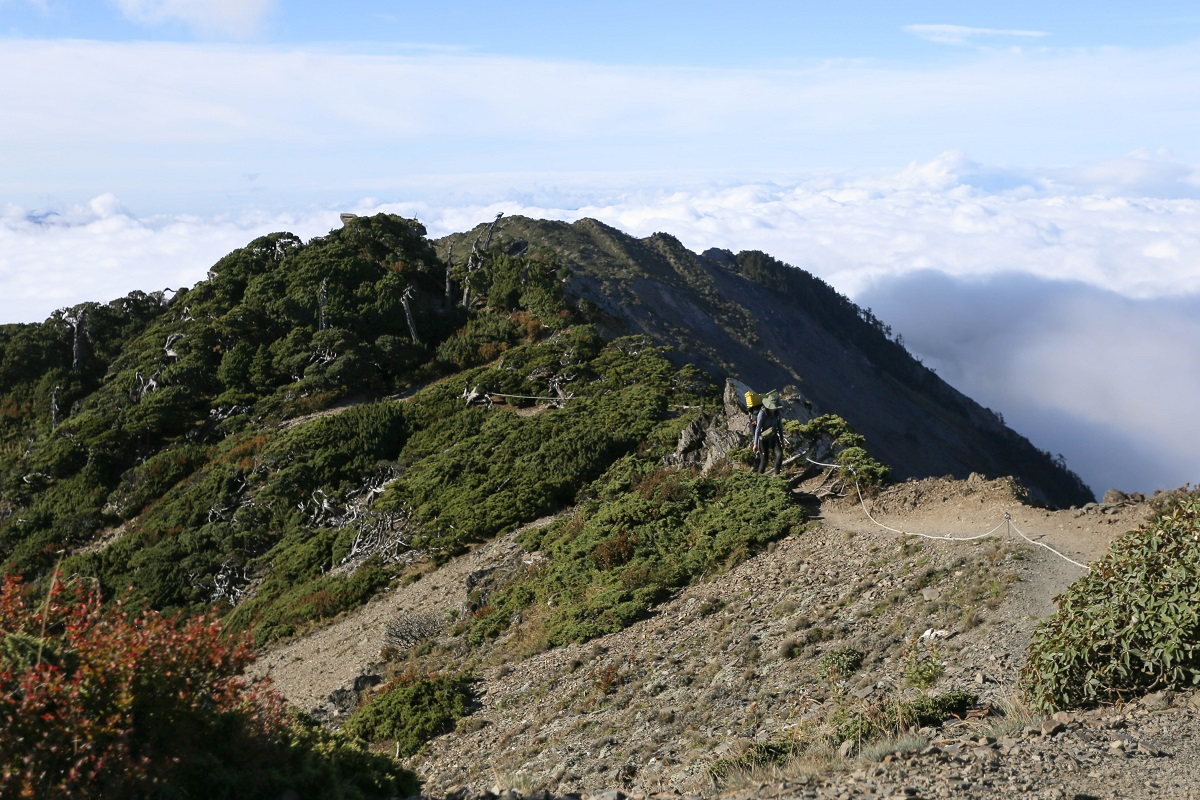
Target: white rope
527 397
1048 547
822 464
1006 521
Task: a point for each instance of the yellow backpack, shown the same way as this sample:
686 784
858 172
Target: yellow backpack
753 401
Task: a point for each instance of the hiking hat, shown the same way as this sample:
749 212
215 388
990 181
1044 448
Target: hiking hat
770 400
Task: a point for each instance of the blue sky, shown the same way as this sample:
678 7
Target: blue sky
1014 186
669 32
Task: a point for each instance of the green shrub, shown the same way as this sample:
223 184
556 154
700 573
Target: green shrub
412 710
333 764
643 531
472 474
151 479
864 471
839 664
923 670
934 710
1131 625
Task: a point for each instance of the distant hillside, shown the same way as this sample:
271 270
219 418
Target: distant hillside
770 325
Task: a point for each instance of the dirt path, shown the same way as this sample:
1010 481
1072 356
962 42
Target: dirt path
966 509
309 669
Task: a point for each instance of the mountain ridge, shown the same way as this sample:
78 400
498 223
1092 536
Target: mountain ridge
770 325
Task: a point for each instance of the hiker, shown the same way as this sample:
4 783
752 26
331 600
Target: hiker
768 433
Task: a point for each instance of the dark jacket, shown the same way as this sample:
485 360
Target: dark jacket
769 424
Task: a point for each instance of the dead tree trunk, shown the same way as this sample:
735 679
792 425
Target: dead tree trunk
476 259
80 339
466 299
322 296
491 229
449 263
54 407
412 326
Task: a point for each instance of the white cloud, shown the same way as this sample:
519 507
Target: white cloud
964 35
852 230
98 251
1107 381
234 18
142 116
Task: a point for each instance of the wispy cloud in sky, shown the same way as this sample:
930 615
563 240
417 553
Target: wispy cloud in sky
228 18
965 35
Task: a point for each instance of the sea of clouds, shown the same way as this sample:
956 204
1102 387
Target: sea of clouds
1069 301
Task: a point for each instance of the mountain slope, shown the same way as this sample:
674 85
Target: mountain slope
770 325
242 442
318 419
409 491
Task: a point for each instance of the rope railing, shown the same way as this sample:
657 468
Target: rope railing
528 397
1007 521
1040 544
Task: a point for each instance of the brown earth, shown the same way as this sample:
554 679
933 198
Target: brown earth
734 662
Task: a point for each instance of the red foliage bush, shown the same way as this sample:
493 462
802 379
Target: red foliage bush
98 702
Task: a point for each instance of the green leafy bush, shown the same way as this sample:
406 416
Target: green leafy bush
1131 625
923 669
412 710
100 702
831 432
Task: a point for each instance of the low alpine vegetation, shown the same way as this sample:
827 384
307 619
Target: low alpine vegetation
643 531
1131 625
839 664
862 724
832 434
413 709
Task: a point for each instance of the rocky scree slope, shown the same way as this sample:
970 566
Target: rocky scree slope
701 697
